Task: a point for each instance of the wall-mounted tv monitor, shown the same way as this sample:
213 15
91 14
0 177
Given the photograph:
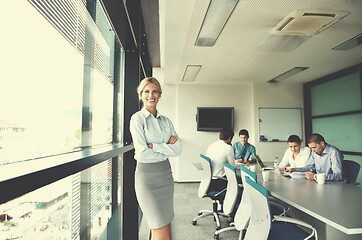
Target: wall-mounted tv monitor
213 119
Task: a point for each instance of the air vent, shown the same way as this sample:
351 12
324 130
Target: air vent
307 22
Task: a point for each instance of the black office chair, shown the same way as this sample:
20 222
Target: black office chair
206 191
350 171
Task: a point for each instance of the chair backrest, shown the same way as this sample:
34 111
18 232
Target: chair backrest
231 190
260 219
252 175
206 176
243 213
350 171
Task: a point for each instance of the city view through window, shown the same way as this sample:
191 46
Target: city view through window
41 101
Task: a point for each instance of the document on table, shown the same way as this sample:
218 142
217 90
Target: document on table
299 175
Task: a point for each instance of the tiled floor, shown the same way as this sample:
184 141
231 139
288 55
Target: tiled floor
187 205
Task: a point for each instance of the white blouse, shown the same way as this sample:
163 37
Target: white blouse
300 159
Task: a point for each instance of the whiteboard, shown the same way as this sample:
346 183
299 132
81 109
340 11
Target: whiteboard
279 123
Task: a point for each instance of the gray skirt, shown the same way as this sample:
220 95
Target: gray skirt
154 190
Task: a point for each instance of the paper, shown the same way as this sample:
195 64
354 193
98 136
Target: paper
299 175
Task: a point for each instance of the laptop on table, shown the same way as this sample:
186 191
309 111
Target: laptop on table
262 165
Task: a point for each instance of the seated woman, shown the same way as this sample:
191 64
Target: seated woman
295 155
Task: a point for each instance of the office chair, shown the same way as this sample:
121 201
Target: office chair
263 226
205 191
243 213
232 197
350 171
276 207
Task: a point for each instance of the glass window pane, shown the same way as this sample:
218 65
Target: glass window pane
120 96
102 109
344 132
340 95
42 214
101 198
41 84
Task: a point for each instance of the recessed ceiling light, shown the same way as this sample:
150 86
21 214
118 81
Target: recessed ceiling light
287 74
191 73
216 17
349 44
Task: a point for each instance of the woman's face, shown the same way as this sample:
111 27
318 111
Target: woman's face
294 146
150 95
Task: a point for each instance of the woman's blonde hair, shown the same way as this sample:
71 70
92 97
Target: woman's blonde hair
146 81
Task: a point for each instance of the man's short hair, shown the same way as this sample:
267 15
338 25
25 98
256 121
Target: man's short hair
294 138
226 133
244 132
316 138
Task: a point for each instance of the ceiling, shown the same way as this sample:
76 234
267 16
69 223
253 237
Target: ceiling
236 57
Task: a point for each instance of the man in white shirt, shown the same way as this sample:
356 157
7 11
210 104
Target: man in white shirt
296 155
219 152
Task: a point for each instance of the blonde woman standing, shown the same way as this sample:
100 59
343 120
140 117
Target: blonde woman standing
155 140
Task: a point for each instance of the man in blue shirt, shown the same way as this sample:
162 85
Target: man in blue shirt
244 152
324 158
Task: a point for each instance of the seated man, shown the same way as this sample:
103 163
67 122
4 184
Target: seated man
219 152
324 158
244 152
296 155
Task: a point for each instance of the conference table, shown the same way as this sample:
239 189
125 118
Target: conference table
333 208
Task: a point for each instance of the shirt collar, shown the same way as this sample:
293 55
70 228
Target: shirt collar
246 144
326 149
146 113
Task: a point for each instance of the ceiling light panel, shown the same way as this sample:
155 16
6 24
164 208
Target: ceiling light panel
191 73
288 74
216 17
349 44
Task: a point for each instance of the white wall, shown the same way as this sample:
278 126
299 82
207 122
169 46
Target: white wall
195 142
180 102
276 95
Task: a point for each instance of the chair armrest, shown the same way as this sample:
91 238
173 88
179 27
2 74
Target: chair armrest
281 207
292 220
298 222
275 200
222 178
217 194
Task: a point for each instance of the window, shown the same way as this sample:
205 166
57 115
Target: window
43 99
333 108
41 81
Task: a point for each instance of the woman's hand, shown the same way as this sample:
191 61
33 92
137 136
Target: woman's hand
172 140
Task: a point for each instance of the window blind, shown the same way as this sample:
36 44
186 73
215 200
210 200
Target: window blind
71 19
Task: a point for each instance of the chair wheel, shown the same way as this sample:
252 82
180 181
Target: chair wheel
216 236
218 228
194 223
199 214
